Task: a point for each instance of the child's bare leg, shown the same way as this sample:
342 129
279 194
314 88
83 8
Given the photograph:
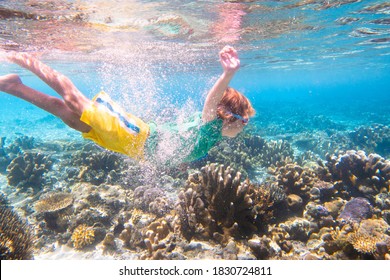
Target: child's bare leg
13 85
73 98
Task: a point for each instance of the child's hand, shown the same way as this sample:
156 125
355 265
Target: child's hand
229 59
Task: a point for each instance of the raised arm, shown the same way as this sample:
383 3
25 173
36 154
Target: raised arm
230 64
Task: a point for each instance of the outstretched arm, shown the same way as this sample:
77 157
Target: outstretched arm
230 64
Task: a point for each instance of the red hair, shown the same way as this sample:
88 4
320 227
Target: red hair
234 102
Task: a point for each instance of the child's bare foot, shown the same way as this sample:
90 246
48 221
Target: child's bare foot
8 82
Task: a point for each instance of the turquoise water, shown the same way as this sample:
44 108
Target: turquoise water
320 60
317 72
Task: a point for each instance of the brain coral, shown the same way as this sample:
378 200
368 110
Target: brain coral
53 202
83 236
16 240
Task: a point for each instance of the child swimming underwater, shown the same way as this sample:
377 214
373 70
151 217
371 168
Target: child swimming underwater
225 113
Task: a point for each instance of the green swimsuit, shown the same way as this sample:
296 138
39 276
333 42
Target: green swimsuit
175 143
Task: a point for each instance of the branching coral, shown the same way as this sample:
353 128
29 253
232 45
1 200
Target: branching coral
152 199
26 171
248 152
269 202
16 239
97 167
365 239
132 230
373 138
217 204
294 179
83 236
364 175
155 233
369 237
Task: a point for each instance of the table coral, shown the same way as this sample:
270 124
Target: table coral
56 210
53 202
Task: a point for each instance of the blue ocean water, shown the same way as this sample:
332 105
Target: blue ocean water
298 58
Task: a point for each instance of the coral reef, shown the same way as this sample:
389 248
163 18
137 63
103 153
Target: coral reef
55 208
363 175
297 182
152 199
372 139
53 202
216 204
356 209
99 204
8 153
155 236
3 200
16 239
247 153
83 236
26 171
96 167
4 158
363 243
302 208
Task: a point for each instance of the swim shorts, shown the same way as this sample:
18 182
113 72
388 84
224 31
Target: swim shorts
113 128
